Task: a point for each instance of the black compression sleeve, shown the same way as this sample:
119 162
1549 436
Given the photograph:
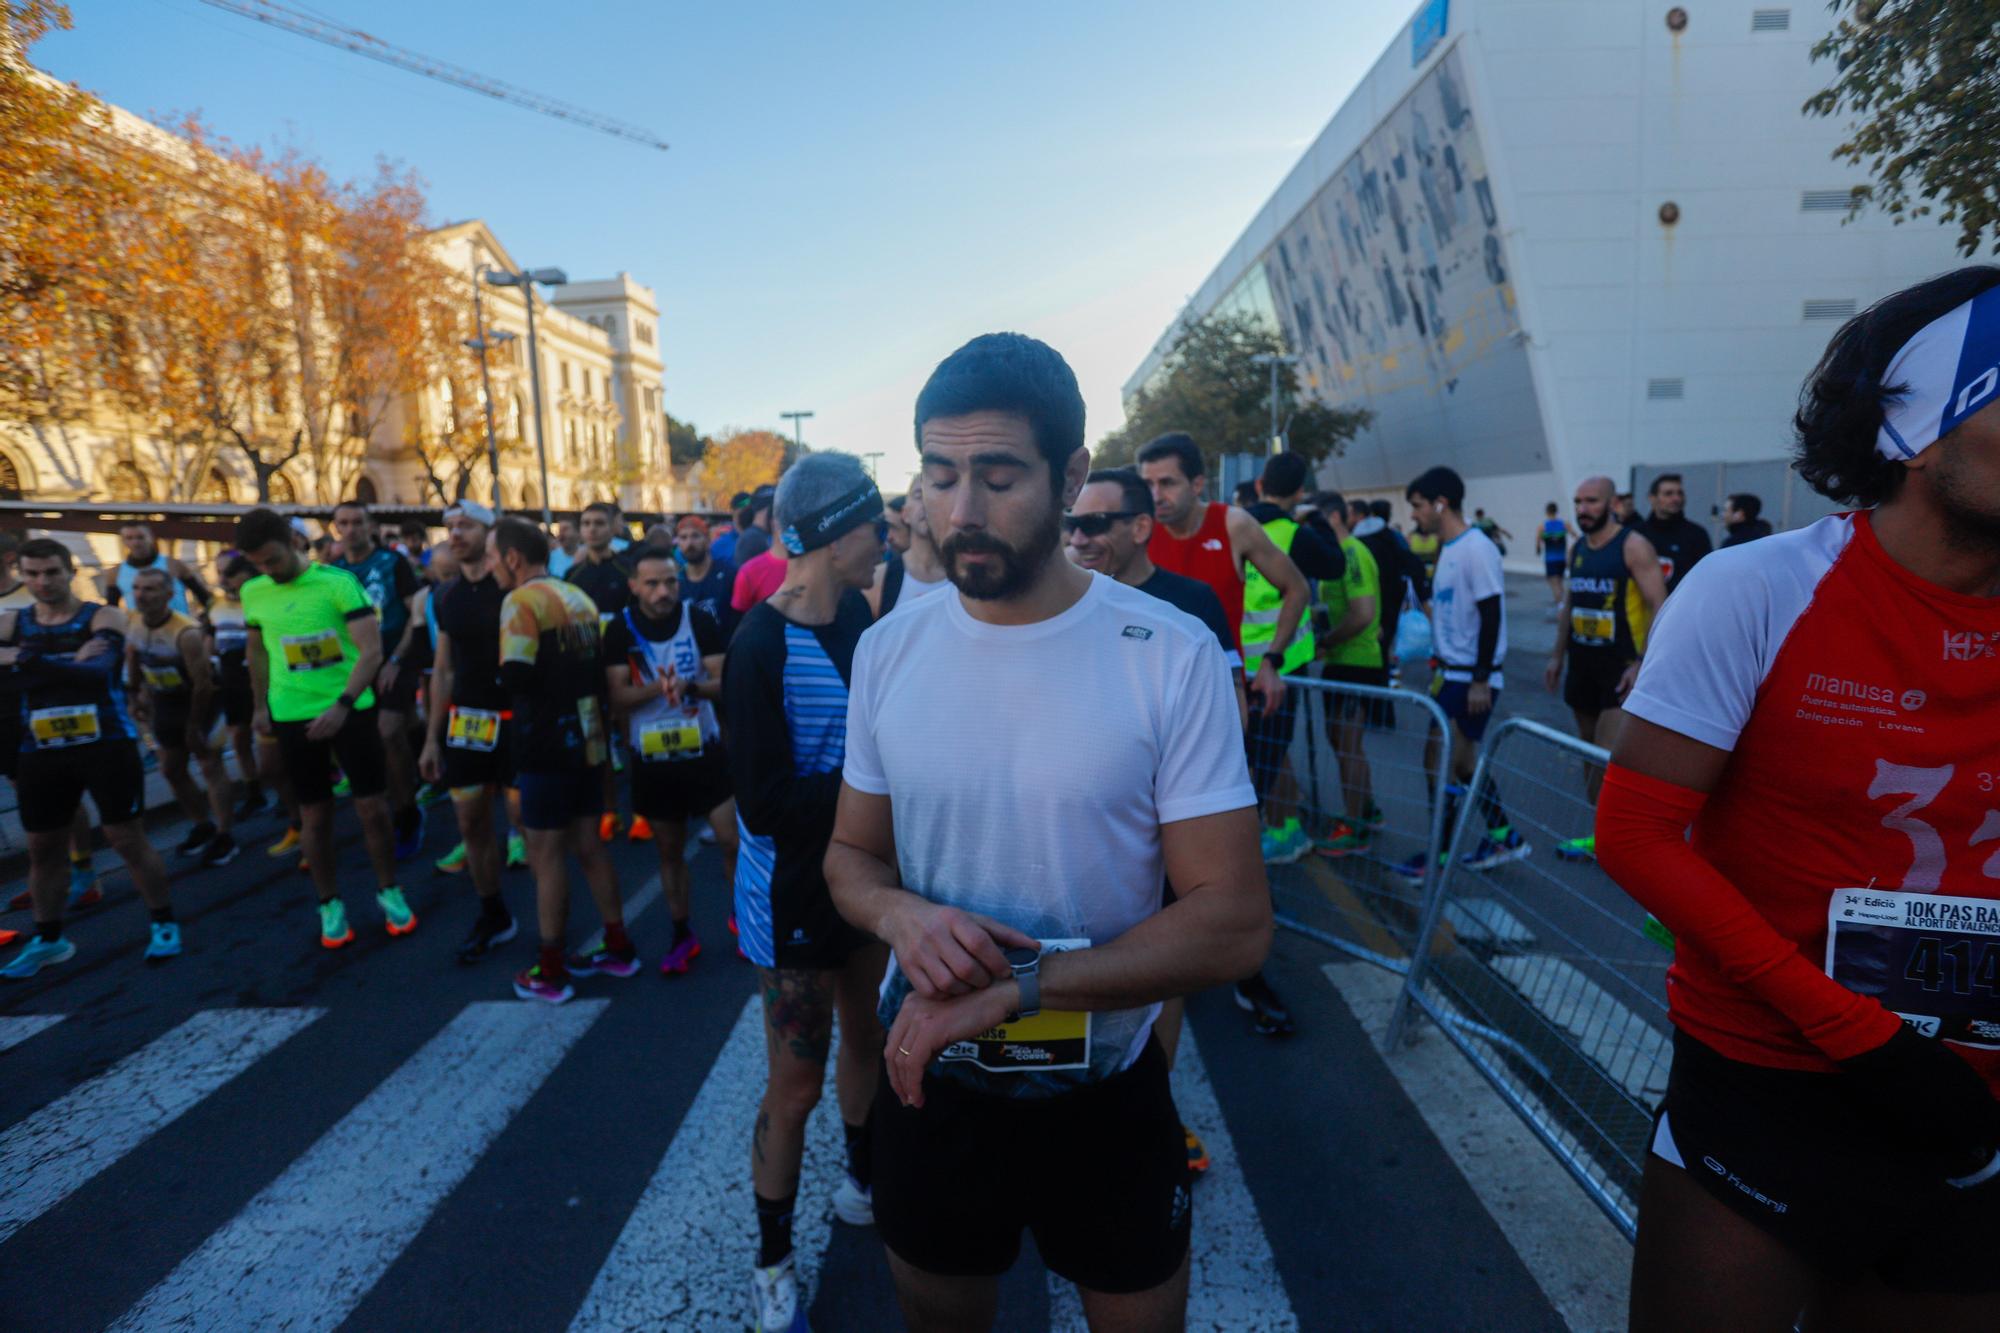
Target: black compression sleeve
1489 636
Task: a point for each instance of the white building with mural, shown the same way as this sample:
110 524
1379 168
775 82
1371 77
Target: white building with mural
1547 239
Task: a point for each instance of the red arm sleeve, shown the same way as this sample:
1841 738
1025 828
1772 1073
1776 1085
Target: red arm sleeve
1642 844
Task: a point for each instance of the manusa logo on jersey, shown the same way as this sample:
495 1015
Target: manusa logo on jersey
1837 687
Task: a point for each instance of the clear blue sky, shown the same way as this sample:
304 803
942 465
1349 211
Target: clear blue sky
852 190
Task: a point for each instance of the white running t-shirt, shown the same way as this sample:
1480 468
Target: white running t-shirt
1468 572
1030 768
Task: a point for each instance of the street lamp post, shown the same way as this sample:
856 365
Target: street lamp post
1273 360
798 441
488 338
869 459
526 280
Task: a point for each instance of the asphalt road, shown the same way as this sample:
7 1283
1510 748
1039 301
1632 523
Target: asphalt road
264 1134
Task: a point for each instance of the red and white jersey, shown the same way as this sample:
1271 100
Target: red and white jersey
1861 709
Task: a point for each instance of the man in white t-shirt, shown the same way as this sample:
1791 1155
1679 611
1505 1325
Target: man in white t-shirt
1468 610
1029 756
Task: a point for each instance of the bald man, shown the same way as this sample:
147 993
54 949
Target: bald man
1614 590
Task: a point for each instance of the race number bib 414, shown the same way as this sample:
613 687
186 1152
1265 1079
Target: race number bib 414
1051 1040
1933 960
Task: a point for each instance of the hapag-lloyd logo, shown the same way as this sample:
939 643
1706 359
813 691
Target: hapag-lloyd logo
1839 687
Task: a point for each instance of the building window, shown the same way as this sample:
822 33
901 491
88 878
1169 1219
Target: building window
214 488
125 483
569 440
364 491
10 479
282 491
565 376
611 325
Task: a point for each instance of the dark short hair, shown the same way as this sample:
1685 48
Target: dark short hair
1381 508
46 548
414 527
260 527
1010 372
1329 501
1245 494
514 533
896 505
606 508
1284 474
1551 507
1843 402
1176 445
1746 504
1663 479
135 523
353 504
10 540
1138 496
236 565
1439 483
646 552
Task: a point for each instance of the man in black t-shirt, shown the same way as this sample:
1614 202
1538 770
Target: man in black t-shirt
606 576
1680 541
467 745
663 675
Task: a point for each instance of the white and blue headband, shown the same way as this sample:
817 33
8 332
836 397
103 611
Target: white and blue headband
1951 368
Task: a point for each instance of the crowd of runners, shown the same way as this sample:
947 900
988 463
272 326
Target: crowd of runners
992 812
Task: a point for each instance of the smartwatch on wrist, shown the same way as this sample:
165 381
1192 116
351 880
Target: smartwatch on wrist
1027 968
345 701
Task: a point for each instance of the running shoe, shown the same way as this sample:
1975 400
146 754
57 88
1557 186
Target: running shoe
603 960
487 935
429 795
1344 839
83 890
286 845
7 937
197 838
1255 996
252 805
35 955
333 928
1577 849
452 862
342 788
408 845
774 1299
1412 869
531 984
221 850
607 826
165 942
853 1204
396 913
1655 930
1499 846
1197 1152
1284 845
681 957
517 851
640 831
1374 818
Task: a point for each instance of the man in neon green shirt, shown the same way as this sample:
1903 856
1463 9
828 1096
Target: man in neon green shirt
1350 651
313 645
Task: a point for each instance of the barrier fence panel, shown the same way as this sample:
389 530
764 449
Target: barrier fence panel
1351 774
1543 972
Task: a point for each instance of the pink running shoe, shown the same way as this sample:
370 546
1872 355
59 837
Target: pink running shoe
679 957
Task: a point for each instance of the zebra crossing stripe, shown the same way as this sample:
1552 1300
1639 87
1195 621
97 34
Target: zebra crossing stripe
14 1031
685 1255
59 1148
310 1246
1233 1277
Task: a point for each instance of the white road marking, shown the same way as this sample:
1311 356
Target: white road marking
685 1255
1233 1278
60 1147
307 1249
14 1031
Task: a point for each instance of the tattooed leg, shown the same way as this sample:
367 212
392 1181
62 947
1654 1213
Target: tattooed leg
798 1031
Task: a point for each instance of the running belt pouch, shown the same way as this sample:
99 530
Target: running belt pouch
1642 843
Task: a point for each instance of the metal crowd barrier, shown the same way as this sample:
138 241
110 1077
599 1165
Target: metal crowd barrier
1353 900
1543 973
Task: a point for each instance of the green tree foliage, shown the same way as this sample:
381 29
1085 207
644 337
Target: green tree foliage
1918 76
1212 391
685 442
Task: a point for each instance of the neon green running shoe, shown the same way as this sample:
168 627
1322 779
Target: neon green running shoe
333 928
1578 849
342 789
396 913
517 851
452 862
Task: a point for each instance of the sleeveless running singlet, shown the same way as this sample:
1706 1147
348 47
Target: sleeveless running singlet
1206 556
158 648
1604 602
56 714
658 730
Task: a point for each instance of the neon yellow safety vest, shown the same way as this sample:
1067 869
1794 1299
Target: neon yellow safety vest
1261 604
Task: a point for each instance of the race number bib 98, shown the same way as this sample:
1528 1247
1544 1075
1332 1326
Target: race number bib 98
1589 625
1933 960
669 739
310 652
1051 1040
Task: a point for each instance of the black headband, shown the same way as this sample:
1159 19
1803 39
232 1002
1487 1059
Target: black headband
833 521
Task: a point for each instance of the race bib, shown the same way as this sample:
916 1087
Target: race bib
310 652
669 739
1933 960
473 729
166 679
58 728
1588 625
1054 1039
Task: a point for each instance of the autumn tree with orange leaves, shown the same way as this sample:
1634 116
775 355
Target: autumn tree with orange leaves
743 460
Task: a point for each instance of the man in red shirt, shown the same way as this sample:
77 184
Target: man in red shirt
1819 708
760 576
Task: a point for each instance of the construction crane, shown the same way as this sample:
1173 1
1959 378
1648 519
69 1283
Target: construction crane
363 44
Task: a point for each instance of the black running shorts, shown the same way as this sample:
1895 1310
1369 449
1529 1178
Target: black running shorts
1788 1150
170 720
468 767
237 704
357 747
682 789
1592 683
1099 1176
50 783
403 698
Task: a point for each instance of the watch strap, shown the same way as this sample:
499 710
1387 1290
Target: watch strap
1029 979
